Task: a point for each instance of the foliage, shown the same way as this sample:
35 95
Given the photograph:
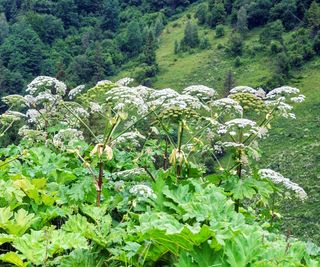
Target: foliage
116 176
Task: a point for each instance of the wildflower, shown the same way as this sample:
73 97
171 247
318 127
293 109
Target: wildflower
127 98
95 107
42 83
240 123
278 178
298 99
124 81
75 91
129 137
128 173
282 91
227 105
243 89
66 138
143 191
200 91
33 115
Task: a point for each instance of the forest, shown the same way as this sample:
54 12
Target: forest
159 133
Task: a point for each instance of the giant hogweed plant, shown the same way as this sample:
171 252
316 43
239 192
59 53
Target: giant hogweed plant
139 155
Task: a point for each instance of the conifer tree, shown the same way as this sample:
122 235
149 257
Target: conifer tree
191 37
149 50
111 12
134 38
242 20
4 27
159 25
313 15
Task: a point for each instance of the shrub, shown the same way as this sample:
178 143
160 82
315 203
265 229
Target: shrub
219 31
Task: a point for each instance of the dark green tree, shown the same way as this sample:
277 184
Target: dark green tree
285 11
201 13
191 37
242 20
23 51
235 44
273 31
159 25
217 13
313 16
258 12
134 39
149 49
48 27
4 27
67 11
110 15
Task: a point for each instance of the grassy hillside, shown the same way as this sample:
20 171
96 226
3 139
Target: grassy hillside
293 147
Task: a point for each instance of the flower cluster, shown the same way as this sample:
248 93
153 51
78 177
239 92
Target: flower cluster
202 92
124 98
131 138
142 190
75 91
67 138
44 83
278 178
227 105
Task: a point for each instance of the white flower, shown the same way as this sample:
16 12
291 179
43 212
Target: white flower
132 138
200 91
240 123
282 91
260 93
45 96
30 100
158 97
128 98
278 178
95 107
243 89
298 99
66 138
124 81
75 91
227 105
33 115
128 173
142 191
43 83
104 82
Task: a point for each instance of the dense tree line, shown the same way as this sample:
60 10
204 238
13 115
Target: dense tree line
79 41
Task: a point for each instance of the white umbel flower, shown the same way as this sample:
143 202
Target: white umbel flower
75 91
243 89
227 105
282 91
43 83
200 91
278 178
142 190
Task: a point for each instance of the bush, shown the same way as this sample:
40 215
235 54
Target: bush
220 31
237 62
275 47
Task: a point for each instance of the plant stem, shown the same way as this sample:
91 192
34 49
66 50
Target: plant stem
180 136
99 183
